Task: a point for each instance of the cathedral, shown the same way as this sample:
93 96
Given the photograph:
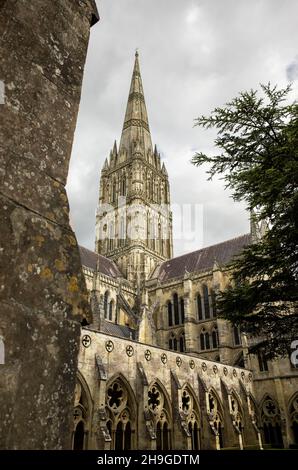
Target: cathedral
158 369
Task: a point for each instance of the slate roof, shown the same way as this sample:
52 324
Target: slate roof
106 266
122 331
201 260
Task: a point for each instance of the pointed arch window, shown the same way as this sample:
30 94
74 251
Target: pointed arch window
206 301
158 404
152 188
204 340
199 307
111 310
123 436
170 314
213 302
123 186
182 309
176 308
81 418
215 415
127 437
105 303
122 230
194 433
294 418
119 436
237 336
114 191
173 344
262 359
121 415
111 235
152 233
182 342
207 340
271 421
166 194
215 341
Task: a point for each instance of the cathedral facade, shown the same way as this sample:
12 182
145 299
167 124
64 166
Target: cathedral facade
157 368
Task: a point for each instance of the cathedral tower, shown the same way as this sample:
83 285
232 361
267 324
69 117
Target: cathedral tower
134 221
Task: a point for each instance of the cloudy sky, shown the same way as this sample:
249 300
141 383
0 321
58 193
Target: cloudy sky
194 55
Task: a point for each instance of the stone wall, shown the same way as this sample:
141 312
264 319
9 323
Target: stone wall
43 46
104 359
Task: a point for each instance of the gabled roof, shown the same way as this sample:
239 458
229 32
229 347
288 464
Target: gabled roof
122 331
201 260
105 265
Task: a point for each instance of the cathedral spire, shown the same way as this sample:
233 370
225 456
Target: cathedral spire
136 124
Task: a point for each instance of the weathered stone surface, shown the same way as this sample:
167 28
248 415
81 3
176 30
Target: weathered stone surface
43 297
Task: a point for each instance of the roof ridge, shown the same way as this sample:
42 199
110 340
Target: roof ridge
206 247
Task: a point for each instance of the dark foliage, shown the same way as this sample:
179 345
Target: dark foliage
258 139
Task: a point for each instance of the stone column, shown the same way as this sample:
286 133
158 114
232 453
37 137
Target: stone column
43 298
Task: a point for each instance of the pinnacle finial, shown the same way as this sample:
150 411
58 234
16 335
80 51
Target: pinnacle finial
137 52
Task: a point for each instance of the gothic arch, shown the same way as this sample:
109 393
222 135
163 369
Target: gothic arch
293 414
198 302
214 336
172 342
271 421
111 310
159 406
122 378
204 337
236 411
121 408
106 299
83 406
169 307
181 340
206 301
215 415
190 411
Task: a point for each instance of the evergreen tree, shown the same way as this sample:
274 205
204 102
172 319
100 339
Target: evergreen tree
257 135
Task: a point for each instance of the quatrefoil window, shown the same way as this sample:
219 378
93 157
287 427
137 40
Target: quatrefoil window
153 398
115 396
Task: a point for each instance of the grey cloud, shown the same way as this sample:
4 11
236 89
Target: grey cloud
292 70
194 55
